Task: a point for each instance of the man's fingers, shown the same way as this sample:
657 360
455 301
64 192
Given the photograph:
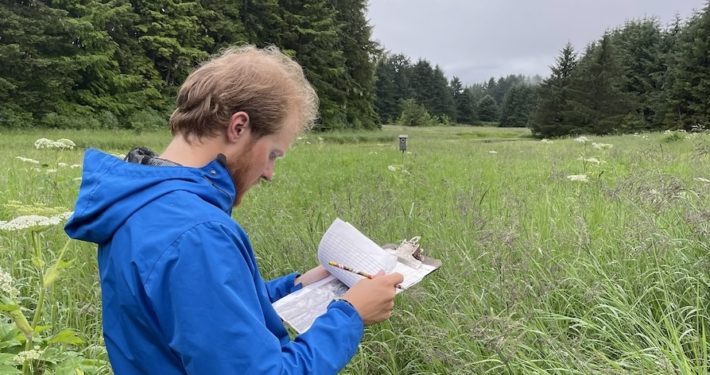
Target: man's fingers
395 278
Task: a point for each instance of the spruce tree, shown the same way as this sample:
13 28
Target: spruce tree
386 101
422 81
643 67
518 103
171 37
465 108
312 35
431 89
443 103
690 75
392 85
598 105
548 118
354 33
263 21
487 109
218 20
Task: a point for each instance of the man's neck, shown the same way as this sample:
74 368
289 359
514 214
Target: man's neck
197 153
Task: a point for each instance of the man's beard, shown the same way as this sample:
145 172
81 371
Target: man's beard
239 170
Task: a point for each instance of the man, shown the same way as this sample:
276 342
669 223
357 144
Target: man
181 290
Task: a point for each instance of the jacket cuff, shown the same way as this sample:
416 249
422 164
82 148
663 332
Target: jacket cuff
282 286
349 310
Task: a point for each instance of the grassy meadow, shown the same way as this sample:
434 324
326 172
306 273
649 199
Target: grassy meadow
605 273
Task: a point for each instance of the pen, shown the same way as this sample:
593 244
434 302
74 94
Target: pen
346 268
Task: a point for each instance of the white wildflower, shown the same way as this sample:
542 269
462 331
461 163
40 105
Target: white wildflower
545 140
492 152
28 355
578 177
6 287
32 221
43 143
76 179
65 215
581 139
590 160
668 132
68 143
62 165
602 146
75 166
51 170
392 168
701 179
27 160
61 143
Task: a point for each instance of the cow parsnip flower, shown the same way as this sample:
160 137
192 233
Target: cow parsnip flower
27 160
62 143
578 177
7 287
602 146
28 355
33 221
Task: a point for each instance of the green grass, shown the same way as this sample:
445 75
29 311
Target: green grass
541 275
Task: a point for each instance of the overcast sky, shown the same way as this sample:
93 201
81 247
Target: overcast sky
477 39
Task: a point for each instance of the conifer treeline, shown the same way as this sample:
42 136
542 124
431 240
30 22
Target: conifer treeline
420 95
118 63
640 76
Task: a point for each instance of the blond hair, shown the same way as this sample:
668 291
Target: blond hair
264 83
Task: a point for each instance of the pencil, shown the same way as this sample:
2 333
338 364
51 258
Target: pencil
349 269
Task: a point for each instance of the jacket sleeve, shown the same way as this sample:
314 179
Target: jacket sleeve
205 294
282 286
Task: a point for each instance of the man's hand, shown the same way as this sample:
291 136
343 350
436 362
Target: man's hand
374 298
313 275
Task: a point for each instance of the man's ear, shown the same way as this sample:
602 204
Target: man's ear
238 126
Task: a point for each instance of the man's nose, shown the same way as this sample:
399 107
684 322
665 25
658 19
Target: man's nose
268 174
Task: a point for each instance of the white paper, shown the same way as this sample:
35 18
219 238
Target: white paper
344 244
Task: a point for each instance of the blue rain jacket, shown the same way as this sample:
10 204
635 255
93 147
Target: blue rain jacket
181 290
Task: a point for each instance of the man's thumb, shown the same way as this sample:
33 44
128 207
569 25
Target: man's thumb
395 278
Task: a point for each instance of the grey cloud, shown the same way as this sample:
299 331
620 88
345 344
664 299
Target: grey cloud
476 39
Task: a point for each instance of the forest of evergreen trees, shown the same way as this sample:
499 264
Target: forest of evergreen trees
638 77
118 64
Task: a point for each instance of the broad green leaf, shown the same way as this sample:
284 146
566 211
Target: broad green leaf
9 307
66 336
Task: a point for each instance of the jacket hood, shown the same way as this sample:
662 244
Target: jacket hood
112 190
